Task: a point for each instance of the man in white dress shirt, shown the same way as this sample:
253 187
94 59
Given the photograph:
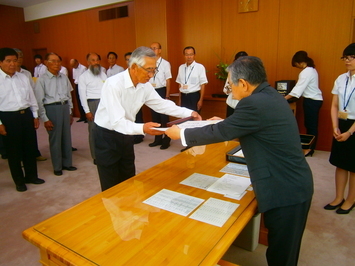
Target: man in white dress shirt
121 98
18 121
161 82
40 68
90 85
113 68
78 69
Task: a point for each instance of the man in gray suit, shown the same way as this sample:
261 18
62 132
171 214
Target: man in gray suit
268 133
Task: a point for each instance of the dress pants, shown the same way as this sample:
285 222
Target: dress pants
80 107
93 104
286 226
114 156
190 100
20 145
311 113
157 117
60 136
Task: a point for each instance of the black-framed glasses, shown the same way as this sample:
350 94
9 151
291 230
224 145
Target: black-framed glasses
228 88
152 71
348 58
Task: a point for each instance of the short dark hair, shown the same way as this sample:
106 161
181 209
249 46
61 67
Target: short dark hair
300 57
129 53
188 47
239 54
249 68
112 53
349 50
6 52
51 53
38 56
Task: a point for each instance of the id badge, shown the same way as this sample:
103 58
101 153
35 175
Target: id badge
343 115
185 87
154 84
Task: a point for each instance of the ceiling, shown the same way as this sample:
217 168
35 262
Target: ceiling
22 3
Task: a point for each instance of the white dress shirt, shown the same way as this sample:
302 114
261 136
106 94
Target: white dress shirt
39 70
344 87
193 76
77 72
50 89
307 85
164 73
64 70
230 101
121 101
115 69
29 76
16 93
90 87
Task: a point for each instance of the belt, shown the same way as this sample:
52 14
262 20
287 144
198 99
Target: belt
160 88
93 100
16 112
190 92
57 103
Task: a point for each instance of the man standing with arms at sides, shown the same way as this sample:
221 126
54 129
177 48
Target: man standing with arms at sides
161 82
113 68
39 68
90 85
268 134
55 109
122 96
18 121
78 69
192 81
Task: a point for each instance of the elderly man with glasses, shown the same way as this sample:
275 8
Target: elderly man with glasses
122 97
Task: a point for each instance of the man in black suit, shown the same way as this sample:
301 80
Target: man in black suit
268 133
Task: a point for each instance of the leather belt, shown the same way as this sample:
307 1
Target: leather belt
57 103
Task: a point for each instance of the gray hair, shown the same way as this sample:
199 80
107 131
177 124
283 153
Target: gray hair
19 52
138 56
249 68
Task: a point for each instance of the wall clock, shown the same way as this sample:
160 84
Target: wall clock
248 5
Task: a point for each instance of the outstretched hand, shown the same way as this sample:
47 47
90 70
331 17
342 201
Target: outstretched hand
149 128
173 132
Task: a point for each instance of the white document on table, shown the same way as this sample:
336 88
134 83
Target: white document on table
201 123
230 185
214 211
174 202
199 181
236 169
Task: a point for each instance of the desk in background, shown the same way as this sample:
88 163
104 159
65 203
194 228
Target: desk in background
116 228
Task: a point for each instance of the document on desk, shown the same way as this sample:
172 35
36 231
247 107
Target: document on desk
174 202
214 211
230 185
199 181
236 169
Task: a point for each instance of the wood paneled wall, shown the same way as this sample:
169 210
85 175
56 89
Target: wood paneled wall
215 28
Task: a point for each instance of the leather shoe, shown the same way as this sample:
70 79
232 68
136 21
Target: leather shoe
333 207
35 181
69 168
60 172
165 146
21 188
137 139
74 149
342 211
155 143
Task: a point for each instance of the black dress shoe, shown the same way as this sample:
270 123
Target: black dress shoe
74 149
342 211
69 168
165 146
137 140
155 143
60 172
35 181
310 153
21 188
81 120
333 207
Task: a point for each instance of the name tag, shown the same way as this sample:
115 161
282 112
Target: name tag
185 87
343 115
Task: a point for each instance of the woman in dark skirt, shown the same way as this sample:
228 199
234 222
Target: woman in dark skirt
343 147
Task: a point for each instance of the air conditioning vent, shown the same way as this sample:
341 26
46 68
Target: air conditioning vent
113 13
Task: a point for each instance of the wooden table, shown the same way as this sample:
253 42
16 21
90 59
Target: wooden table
116 228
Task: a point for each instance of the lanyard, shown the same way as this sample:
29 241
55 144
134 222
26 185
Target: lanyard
161 59
189 74
347 102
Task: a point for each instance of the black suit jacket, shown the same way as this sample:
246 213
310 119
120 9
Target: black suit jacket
269 137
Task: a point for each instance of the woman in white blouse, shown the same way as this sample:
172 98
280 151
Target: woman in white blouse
307 86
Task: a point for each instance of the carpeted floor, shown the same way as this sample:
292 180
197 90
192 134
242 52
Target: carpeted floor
328 238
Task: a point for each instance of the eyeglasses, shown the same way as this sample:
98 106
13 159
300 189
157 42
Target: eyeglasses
228 88
154 48
348 58
54 61
150 71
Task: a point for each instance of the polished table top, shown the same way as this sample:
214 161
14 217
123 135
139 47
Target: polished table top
115 227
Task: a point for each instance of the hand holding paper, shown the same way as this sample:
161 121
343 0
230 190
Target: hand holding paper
173 132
